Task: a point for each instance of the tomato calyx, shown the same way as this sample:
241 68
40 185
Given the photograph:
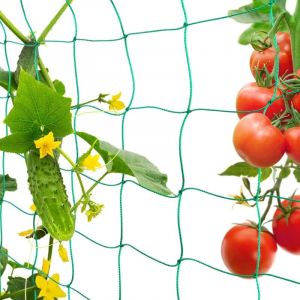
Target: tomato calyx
263 77
254 225
286 213
260 41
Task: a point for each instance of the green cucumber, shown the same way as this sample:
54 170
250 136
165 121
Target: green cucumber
49 195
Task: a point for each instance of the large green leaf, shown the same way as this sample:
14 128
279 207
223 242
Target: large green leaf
3 260
18 142
38 110
15 284
256 12
249 14
130 163
10 184
4 80
244 169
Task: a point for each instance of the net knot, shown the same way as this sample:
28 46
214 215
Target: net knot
179 261
272 2
180 192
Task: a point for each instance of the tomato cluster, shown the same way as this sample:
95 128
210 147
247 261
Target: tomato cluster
240 244
255 137
269 127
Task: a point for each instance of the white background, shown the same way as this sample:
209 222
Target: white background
219 69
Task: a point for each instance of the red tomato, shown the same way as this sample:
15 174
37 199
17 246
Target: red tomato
257 141
287 229
266 57
239 250
292 143
252 97
296 102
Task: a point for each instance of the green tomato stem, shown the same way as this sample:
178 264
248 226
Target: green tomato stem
274 189
282 17
48 28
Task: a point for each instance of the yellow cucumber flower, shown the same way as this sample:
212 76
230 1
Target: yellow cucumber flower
91 162
115 104
49 288
46 144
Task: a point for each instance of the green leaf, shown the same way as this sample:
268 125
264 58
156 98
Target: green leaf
60 87
240 169
38 110
18 142
265 173
297 174
244 169
256 12
15 284
3 260
249 14
4 80
284 173
26 62
10 184
129 163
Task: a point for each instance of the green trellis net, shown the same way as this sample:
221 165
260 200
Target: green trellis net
75 291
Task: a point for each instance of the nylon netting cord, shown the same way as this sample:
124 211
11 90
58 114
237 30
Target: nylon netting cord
124 181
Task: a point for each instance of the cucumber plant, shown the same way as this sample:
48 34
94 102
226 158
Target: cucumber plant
38 121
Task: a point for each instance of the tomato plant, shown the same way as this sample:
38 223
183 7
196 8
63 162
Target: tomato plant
286 226
239 250
262 139
266 58
252 97
257 141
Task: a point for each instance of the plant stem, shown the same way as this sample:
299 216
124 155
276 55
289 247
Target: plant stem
99 99
48 28
84 103
26 40
45 74
68 158
74 208
14 29
282 17
50 250
18 293
274 189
